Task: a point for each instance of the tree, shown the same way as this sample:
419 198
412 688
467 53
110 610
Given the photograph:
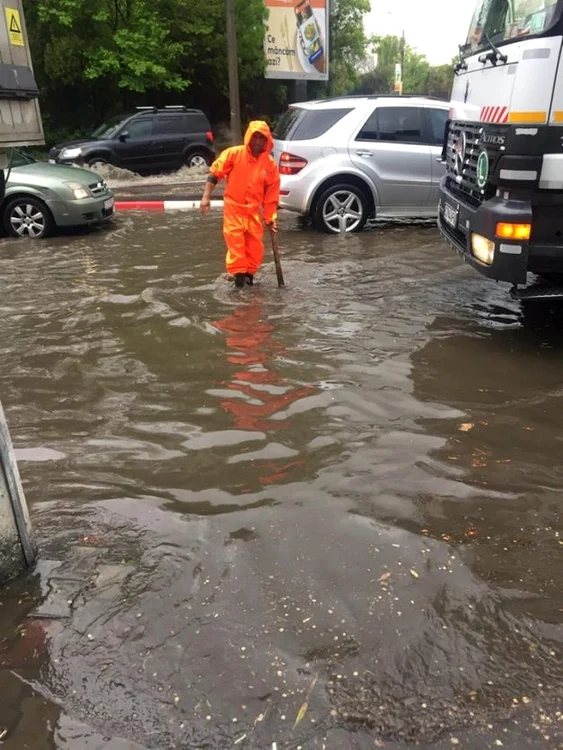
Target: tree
112 54
419 77
348 43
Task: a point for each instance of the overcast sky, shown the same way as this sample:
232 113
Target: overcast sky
434 27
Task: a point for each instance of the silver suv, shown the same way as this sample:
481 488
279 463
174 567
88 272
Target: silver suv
345 160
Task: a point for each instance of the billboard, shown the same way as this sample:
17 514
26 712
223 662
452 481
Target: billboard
296 39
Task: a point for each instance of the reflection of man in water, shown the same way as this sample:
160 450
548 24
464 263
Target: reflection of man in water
252 348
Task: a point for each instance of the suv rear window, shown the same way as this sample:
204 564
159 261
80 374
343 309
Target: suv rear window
286 123
188 123
197 123
393 124
306 124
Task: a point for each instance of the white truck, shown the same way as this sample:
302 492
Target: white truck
501 199
20 117
20 125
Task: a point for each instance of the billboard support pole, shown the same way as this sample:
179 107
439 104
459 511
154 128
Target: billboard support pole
300 90
234 94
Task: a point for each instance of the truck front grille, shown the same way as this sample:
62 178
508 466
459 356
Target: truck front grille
465 143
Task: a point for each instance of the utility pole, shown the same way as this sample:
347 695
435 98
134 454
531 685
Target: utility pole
232 54
402 62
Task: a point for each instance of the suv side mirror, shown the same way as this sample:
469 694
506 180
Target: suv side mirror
124 136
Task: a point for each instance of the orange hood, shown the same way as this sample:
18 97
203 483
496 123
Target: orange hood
259 126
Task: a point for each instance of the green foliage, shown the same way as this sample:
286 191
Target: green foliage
348 43
419 77
109 55
96 59
127 41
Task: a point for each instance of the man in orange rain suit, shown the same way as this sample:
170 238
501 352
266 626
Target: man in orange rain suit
252 194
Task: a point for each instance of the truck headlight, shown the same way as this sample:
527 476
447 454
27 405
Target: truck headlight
483 249
78 190
70 153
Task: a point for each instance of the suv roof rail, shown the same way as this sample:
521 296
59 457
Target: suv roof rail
169 108
383 96
181 108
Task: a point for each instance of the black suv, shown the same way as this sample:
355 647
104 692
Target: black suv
150 140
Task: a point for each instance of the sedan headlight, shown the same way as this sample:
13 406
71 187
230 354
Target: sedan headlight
70 153
78 190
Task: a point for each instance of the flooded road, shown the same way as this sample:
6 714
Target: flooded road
320 517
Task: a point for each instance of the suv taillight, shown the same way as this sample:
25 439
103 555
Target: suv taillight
290 164
209 136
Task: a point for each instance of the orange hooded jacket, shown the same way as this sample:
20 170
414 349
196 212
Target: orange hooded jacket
251 183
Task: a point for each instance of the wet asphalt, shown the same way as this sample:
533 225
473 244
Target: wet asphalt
327 516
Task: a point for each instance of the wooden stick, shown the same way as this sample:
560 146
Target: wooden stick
276 253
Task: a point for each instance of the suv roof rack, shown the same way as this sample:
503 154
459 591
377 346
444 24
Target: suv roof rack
168 108
382 96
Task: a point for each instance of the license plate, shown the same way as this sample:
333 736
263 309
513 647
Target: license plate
450 215
110 203
52 161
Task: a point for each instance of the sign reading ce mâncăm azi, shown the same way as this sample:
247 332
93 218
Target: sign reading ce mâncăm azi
296 39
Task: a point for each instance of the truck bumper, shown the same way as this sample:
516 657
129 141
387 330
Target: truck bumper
457 221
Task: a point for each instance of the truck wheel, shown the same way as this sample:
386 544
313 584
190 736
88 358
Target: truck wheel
553 278
28 217
341 208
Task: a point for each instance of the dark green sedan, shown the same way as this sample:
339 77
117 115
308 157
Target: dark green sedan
42 197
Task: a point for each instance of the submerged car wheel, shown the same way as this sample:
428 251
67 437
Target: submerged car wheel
197 159
97 163
341 208
28 217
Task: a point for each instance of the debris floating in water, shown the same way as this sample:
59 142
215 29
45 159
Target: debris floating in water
304 708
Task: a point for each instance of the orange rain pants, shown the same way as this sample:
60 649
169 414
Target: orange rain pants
251 196
244 237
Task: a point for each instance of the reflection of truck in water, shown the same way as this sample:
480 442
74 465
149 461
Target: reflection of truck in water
20 118
501 200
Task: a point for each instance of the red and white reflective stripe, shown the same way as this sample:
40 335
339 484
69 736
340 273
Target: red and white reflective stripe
494 114
162 205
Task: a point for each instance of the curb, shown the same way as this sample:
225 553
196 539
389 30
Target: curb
162 206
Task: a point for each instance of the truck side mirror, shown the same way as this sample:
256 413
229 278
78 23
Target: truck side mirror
124 136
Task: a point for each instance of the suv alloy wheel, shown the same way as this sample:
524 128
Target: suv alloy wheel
341 209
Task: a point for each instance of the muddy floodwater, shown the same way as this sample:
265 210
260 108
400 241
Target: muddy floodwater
324 517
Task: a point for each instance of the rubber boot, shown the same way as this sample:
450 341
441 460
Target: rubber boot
240 280
250 279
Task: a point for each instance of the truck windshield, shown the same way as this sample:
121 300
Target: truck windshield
506 21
